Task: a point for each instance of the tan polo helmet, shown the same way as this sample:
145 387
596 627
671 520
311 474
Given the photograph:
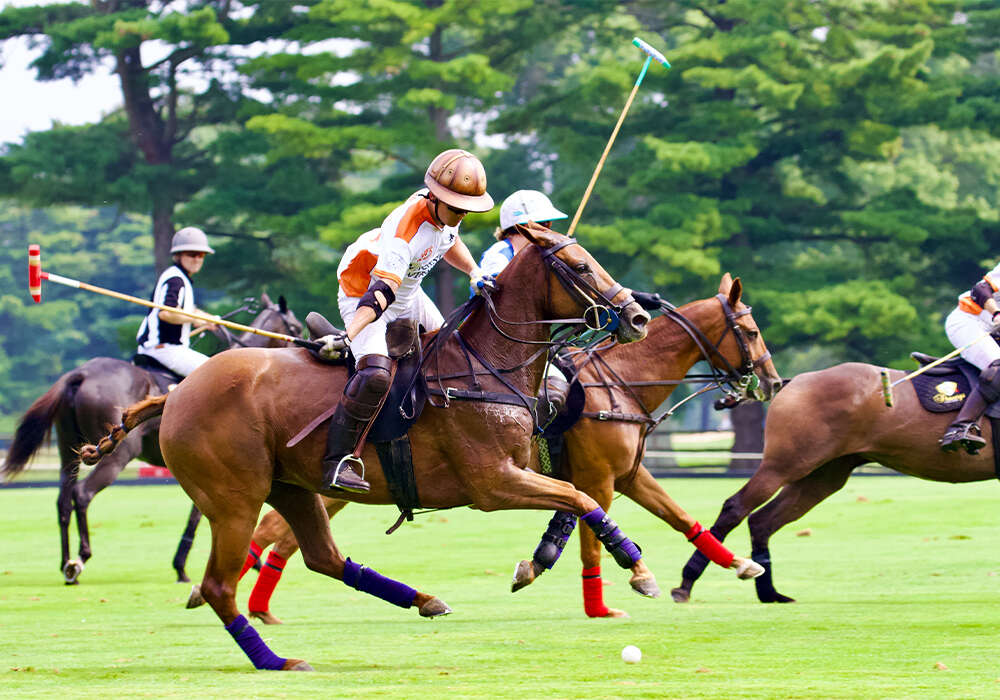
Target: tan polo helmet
457 178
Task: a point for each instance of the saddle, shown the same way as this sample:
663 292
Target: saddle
943 388
164 378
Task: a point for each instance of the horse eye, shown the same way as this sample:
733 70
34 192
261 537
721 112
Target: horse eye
582 268
753 335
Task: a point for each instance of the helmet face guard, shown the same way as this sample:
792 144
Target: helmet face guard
458 179
190 239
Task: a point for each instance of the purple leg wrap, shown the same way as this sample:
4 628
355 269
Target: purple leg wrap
367 580
253 646
624 550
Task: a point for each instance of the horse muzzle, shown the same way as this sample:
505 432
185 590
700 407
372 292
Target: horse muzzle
633 324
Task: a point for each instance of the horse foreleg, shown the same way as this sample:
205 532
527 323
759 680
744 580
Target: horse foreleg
102 476
795 500
184 546
308 519
761 486
285 546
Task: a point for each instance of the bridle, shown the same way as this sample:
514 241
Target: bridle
253 305
602 314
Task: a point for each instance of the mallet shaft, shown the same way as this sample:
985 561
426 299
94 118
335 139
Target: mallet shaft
66 281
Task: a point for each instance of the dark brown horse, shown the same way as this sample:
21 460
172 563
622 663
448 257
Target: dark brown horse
83 403
819 429
625 383
225 429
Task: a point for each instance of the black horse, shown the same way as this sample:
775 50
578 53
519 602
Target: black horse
84 402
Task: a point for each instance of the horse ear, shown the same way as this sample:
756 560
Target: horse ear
540 236
265 300
736 292
726 284
282 305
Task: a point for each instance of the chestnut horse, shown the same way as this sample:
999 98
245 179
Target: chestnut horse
84 402
624 384
225 429
821 427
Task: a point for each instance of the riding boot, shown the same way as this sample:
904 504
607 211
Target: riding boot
341 438
551 400
964 431
363 395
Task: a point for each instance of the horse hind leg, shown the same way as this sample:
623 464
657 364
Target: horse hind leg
795 500
184 546
309 522
103 475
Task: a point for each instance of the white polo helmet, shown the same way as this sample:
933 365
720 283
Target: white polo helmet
527 205
190 240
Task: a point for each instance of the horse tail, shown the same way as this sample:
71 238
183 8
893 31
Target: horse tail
134 415
35 426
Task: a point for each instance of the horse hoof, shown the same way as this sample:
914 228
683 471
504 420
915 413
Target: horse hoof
645 585
524 574
182 577
777 598
296 665
612 612
266 617
747 568
680 595
195 600
72 571
435 607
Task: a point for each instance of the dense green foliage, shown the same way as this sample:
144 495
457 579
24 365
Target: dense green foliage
870 621
841 157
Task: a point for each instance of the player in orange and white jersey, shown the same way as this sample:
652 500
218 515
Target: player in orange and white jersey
380 277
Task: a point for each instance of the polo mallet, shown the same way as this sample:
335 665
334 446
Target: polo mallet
887 385
651 53
36 275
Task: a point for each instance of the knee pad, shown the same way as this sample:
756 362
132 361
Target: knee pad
989 381
366 388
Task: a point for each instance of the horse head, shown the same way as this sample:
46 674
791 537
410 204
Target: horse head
742 347
585 284
273 317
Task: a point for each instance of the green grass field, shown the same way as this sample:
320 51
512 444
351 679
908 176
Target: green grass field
897 577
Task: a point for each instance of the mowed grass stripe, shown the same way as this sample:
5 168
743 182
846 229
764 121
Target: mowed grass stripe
897 576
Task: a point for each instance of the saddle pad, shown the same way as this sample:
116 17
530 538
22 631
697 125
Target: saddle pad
941 393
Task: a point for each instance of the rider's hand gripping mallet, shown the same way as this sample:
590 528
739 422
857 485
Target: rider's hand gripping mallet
887 385
651 53
36 275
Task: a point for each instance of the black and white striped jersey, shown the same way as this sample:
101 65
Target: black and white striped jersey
172 289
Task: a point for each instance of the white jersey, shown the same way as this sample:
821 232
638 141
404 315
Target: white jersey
172 289
404 249
496 257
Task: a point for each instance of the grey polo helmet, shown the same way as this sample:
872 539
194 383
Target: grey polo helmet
190 240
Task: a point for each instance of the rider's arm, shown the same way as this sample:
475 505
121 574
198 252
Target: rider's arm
459 257
381 292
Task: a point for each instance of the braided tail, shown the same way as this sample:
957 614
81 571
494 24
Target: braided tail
134 415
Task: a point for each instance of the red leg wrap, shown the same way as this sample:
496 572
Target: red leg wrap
252 556
270 574
593 593
709 546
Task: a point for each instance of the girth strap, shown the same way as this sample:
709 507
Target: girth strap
485 396
618 416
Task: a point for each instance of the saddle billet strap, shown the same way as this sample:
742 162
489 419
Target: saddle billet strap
618 416
451 393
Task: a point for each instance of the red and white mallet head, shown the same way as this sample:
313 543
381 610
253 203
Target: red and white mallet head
35 271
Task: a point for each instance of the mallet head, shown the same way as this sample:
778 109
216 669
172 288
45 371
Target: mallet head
35 272
653 53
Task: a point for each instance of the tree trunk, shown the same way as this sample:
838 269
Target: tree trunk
163 232
748 430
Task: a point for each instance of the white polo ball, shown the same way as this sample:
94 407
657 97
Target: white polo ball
631 654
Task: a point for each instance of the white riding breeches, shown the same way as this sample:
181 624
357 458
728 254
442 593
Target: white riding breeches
962 328
371 339
178 358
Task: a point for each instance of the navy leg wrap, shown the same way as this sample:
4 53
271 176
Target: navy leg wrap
367 580
624 550
547 552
